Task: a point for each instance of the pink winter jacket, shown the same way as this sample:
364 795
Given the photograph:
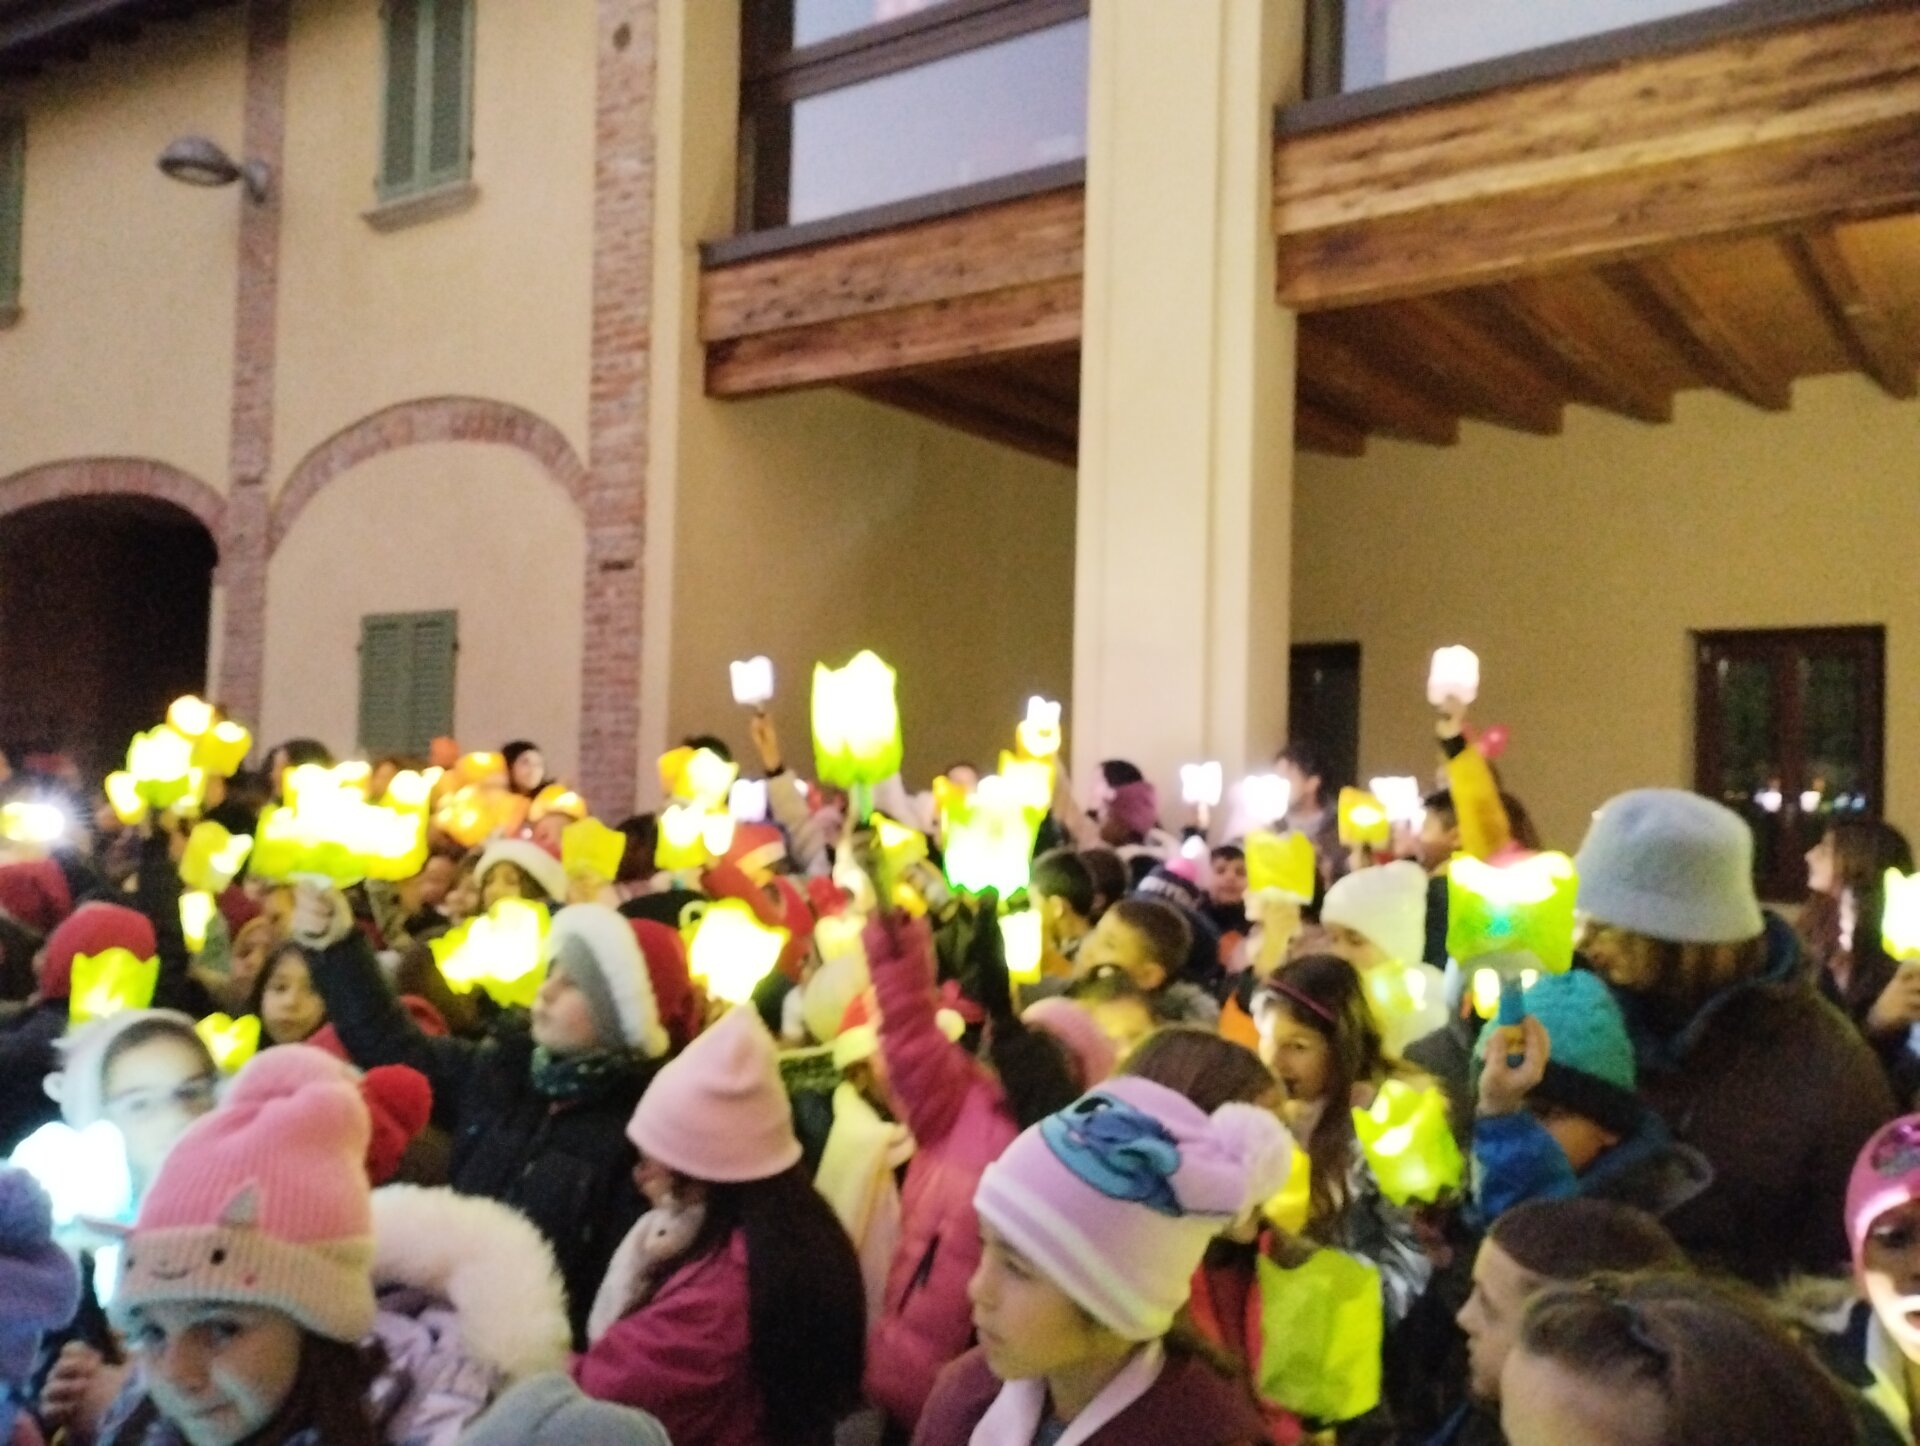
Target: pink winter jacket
684 1355
960 1119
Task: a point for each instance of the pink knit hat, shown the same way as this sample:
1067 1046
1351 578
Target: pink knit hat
717 1112
1093 1054
264 1202
1885 1177
1115 1197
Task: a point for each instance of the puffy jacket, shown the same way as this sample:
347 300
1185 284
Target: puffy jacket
685 1356
1515 1160
960 1119
568 1167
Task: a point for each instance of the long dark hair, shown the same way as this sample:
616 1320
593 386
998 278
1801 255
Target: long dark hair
806 1304
1863 850
331 1397
1324 994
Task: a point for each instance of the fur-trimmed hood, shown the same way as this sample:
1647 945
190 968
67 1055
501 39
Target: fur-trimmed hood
488 1263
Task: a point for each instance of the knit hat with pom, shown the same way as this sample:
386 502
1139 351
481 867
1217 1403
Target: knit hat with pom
1115 1198
80 1084
39 1285
666 956
399 1103
718 1112
264 1203
92 929
596 948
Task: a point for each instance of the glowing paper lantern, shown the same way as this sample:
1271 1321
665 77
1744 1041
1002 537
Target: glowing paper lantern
223 748
752 682
231 1042
1283 863
190 717
1039 732
1028 779
1020 937
501 951
1409 1144
123 796
747 800
708 777
1200 784
1900 923
716 833
856 722
1363 820
990 835
1289 1208
1266 797
328 831
591 850
679 845
83 1171
160 762
556 798
731 951
214 857
1454 673
108 982
1524 907
34 825
411 790
197 909
1401 798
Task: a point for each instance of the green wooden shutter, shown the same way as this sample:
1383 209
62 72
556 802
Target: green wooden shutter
406 680
13 189
428 119
450 103
384 658
402 20
430 679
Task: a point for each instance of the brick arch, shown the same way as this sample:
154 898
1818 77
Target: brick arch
116 477
417 423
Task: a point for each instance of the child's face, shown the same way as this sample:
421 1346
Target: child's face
1354 947
562 1020
1545 1403
291 1008
1491 1317
1027 1325
547 832
1229 885
1439 840
1113 941
1890 1271
250 951
1301 1057
153 1091
503 881
529 770
1583 1140
218 1372
1820 878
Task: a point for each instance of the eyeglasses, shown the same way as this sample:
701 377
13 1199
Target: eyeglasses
195 1096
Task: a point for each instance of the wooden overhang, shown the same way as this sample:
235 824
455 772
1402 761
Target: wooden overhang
37 33
1726 202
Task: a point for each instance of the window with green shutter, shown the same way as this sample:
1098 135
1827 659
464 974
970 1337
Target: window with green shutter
426 141
406 680
13 190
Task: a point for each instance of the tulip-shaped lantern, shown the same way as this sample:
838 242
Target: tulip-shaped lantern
856 723
214 857
231 1042
1453 674
591 850
1282 863
1409 1143
502 951
731 951
990 834
106 983
1363 820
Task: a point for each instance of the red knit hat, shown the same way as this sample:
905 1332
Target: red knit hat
92 929
399 1102
729 881
35 894
673 994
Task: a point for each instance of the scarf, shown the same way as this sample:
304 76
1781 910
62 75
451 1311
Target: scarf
1016 1413
569 1078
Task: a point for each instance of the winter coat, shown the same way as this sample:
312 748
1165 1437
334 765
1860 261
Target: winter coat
1778 1091
1842 1331
1516 1160
960 1119
1185 1404
27 1057
1471 1425
685 1356
567 1166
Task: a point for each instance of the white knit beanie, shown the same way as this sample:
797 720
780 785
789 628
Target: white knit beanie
1385 904
596 938
532 860
80 1084
1671 865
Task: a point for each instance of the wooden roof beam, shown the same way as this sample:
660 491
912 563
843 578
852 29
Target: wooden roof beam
1862 319
1669 302
921 397
1454 358
1597 376
1381 401
1315 429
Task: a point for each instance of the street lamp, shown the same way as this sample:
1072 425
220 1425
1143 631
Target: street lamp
200 162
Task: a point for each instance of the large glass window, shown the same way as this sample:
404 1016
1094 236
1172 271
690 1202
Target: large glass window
850 104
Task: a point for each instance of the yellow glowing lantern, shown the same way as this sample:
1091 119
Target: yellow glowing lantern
161 764
33 825
680 844
1028 779
856 722
708 777
231 1042
1409 1144
123 796
591 850
716 833
990 835
222 748
1363 820
1039 732
731 951
197 909
1289 1208
214 857
500 951
411 790
1281 862
190 717
556 798
1524 907
108 982
327 830
1900 922
1020 936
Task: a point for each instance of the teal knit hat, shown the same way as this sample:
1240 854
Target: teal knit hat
1591 1071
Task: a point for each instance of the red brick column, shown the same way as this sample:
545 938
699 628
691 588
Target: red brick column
615 498
243 551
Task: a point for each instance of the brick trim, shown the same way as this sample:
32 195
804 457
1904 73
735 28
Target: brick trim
116 477
420 423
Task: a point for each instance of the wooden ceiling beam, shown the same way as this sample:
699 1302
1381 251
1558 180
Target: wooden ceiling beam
1334 372
1005 392
1597 376
1447 355
1671 303
1861 318
925 398
1315 429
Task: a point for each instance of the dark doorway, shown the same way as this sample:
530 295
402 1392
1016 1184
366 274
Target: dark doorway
103 622
1323 706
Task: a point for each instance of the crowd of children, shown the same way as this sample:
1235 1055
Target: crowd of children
1245 1153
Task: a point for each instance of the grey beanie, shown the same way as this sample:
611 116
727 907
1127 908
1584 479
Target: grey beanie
1671 865
549 1408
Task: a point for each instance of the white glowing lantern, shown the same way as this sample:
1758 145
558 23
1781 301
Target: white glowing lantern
1200 784
1267 797
752 682
1810 800
1454 673
1769 799
83 1171
716 833
1401 798
747 800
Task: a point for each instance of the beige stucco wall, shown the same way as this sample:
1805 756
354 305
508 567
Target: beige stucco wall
125 345
490 536
492 302
1578 565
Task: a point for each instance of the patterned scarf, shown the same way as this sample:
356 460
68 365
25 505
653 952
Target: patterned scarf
569 1078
